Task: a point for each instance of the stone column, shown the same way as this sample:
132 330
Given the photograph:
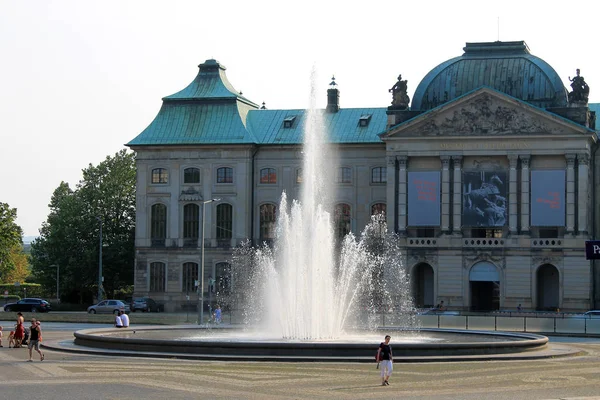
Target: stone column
445 194
570 193
402 194
391 190
583 161
457 196
513 218
525 193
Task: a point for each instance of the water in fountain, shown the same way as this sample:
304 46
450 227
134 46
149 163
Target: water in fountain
304 288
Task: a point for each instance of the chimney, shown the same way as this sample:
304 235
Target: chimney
333 97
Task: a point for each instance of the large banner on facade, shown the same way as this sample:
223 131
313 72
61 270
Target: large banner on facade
548 198
424 198
485 200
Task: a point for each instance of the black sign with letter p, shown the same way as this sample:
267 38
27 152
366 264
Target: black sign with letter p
592 250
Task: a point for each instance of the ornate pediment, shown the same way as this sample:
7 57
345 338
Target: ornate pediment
190 194
484 113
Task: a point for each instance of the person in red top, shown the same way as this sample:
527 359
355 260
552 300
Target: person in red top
19 330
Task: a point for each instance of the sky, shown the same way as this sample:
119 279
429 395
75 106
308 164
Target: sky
79 79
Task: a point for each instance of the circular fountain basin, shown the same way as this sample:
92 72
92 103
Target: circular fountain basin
237 344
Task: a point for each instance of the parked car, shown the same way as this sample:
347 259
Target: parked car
146 304
592 314
29 305
109 307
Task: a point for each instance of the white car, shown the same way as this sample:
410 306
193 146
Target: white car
109 307
592 314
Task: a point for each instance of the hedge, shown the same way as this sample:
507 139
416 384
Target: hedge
32 289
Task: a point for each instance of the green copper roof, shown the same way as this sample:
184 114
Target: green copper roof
193 123
210 83
210 111
505 66
269 126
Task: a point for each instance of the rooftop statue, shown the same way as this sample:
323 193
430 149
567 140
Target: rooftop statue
581 90
400 98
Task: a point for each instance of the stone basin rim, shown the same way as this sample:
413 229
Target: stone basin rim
529 340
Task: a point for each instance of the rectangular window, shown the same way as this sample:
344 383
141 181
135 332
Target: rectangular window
268 176
379 175
288 122
191 175
157 277
225 175
160 176
344 175
190 276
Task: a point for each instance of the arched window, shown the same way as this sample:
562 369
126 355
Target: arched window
160 175
157 276
268 175
190 276
224 221
378 208
223 280
299 175
191 175
342 220
158 222
343 175
267 221
191 221
225 175
379 175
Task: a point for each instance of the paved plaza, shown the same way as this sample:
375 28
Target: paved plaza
82 376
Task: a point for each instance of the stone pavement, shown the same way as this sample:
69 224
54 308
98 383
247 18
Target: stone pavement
75 376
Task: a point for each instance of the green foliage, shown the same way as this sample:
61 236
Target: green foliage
10 239
70 236
23 290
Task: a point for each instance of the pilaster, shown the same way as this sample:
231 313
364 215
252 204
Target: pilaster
391 190
570 193
457 196
525 193
445 194
583 161
402 194
513 218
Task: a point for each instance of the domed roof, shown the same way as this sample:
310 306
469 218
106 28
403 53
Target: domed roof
505 66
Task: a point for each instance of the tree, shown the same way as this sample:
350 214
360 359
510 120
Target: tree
70 236
10 240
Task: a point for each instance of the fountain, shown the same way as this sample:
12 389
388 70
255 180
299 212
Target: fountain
307 300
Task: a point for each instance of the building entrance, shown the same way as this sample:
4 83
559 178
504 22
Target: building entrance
422 286
484 283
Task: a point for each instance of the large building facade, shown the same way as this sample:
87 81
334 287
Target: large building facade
489 177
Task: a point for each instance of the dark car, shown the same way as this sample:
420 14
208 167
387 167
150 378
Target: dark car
146 304
29 305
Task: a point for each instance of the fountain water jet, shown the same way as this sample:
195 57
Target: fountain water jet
304 292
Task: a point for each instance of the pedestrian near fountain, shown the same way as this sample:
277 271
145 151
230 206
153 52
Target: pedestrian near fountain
35 339
218 314
384 354
19 330
124 319
118 320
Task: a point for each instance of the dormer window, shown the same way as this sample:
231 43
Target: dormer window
364 120
288 122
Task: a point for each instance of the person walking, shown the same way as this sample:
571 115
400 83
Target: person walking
384 355
35 337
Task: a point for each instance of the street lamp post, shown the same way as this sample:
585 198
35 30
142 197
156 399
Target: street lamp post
100 263
201 272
